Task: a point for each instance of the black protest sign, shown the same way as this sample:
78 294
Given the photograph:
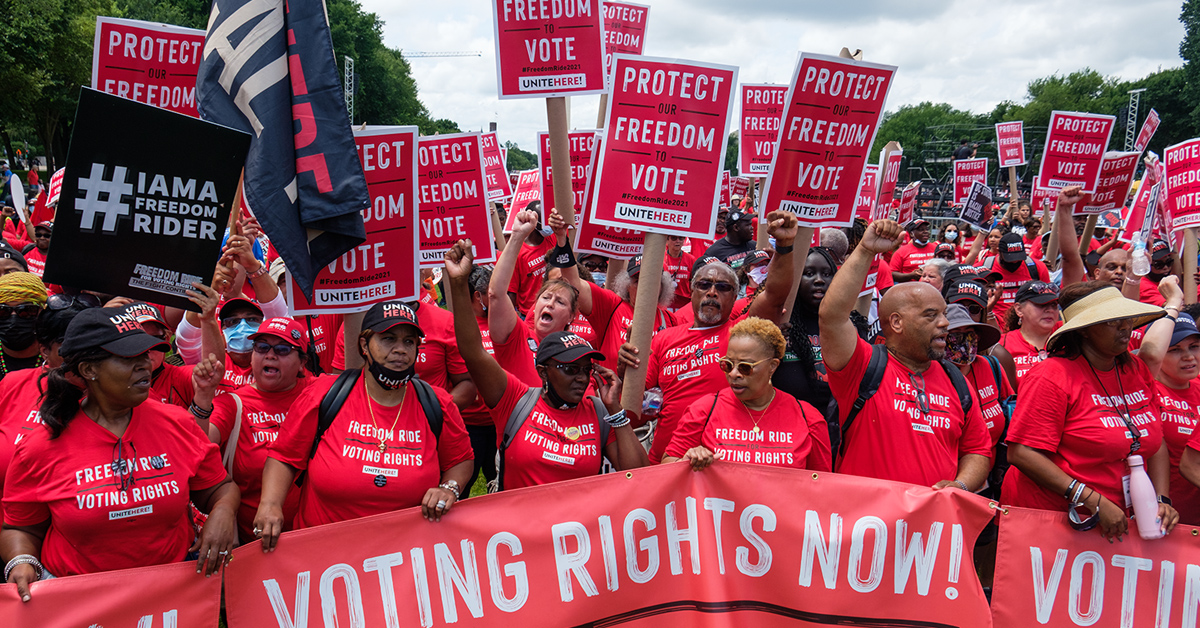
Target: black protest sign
978 200
145 200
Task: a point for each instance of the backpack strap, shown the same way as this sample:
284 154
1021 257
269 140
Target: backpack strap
997 373
430 405
965 396
518 417
234 434
1033 269
332 403
605 428
872 379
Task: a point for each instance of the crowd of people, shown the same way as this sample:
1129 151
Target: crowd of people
133 434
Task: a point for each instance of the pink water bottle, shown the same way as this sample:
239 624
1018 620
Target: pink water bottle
1145 500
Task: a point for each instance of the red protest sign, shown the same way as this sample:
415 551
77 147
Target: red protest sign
155 64
1182 162
1053 575
547 48
1142 213
54 190
452 197
383 268
1043 200
624 30
1116 176
966 172
597 239
582 144
1149 126
1010 143
726 186
528 190
833 110
664 146
868 192
908 202
1075 147
762 108
890 176
738 187
499 187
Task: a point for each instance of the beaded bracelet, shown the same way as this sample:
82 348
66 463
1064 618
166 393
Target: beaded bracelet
24 559
617 419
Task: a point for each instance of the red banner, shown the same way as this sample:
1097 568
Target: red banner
382 268
661 546
1042 200
966 172
908 202
583 143
528 190
624 30
499 187
833 110
1149 126
600 239
1010 143
548 48
54 190
452 197
1052 575
664 146
1116 177
1142 213
762 108
150 597
887 186
1182 162
738 187
155 64
726 186
868 192
1075 147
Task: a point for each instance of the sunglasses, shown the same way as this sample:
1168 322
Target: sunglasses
64 301
704 285
282 350
1162 263
573 369
121 465
41 234
918 383
743 368
27 311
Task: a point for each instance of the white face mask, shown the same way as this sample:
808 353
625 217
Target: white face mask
758 274
951 235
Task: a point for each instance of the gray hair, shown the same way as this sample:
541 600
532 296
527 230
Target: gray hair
722 267
836 241
940 264
666 291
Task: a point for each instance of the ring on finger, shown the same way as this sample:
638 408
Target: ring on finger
441 505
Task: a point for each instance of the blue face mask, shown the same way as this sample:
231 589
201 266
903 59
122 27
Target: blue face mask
237 338
951 235
598 278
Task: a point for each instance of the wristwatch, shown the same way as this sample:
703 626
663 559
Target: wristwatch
1163 499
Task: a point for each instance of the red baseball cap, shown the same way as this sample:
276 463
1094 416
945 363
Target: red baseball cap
286 329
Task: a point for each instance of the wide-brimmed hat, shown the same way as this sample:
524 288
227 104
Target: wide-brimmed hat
960 318
1102 306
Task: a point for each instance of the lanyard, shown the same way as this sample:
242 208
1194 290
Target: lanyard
1134 432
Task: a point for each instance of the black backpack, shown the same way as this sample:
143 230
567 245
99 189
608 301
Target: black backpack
873 378
336 398
521 413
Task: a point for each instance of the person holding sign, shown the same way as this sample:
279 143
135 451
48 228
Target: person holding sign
917 422
106 484
369 441
750 421
572 432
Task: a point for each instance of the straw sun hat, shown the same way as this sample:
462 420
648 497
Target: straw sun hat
1102 306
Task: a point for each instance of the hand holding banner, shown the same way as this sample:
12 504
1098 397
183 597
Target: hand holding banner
452 197
1075 147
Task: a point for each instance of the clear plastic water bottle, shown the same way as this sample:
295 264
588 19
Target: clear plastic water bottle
1141 257
652 402
1145 500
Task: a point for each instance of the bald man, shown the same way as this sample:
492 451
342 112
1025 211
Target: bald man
914 429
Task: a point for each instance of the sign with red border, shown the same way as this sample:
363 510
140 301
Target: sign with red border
624 30
452 197
762 109
582 145
1010 143
1075 147
548 48
151 63
966 172
498 184
1116 177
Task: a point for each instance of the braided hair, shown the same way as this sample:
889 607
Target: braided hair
797 340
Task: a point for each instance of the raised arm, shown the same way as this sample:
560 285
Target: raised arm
489 377
570 274
1157 339
976 246
502 315
770 304
1073 270
838 335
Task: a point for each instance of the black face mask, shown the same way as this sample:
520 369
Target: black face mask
17 333
554 400
390 379
1156 277
1010 266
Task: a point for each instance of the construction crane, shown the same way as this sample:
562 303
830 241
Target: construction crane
417 55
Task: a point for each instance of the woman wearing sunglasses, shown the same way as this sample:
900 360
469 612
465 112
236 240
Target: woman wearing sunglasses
1030 321
22 298
106 484
245 421
752 421
557 426
1083 411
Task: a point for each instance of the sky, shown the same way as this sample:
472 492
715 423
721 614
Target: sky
971 54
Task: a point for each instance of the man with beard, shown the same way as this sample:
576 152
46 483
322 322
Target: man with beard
22 297
738 240
915 428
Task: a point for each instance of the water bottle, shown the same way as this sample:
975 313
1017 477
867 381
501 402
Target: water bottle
1145 500
1141 259
652 402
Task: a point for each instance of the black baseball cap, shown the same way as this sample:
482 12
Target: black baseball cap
966 290
111 329
384 316
944 247
635 266
1160 250
967 272
566 347
8 252
229 305
916 223
1039 292
739 214
756 258
1012 248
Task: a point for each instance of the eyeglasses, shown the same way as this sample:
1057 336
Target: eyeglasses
918 383
282 350
64 301
704 285
27 311
123 466
228 323
573 369
1163 263
743 368
974 310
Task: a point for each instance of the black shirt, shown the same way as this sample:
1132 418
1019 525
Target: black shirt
732 254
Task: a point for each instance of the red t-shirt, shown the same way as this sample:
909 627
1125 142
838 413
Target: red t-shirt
348 477
517 353
1064 411
988 396
1178 415
1010 281
174 385
20 398
683 363
1024 354
552 445
613 317
94 525
892 438
911 257
14 232
477 413
235 376
883 275
530 272
36 260
792 434
699 246
1148 293
324 327
262 415
681 269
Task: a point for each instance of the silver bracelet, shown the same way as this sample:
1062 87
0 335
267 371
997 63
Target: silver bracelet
451 486
23 559
617 419
962 485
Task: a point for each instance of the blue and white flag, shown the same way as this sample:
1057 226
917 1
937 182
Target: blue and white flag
303 179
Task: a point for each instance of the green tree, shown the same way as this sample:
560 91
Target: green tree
731 154
1189 49
189 13
925 131
518 159
1085 90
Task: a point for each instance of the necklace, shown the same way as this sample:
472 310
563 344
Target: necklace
4 363
761 414
371 409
